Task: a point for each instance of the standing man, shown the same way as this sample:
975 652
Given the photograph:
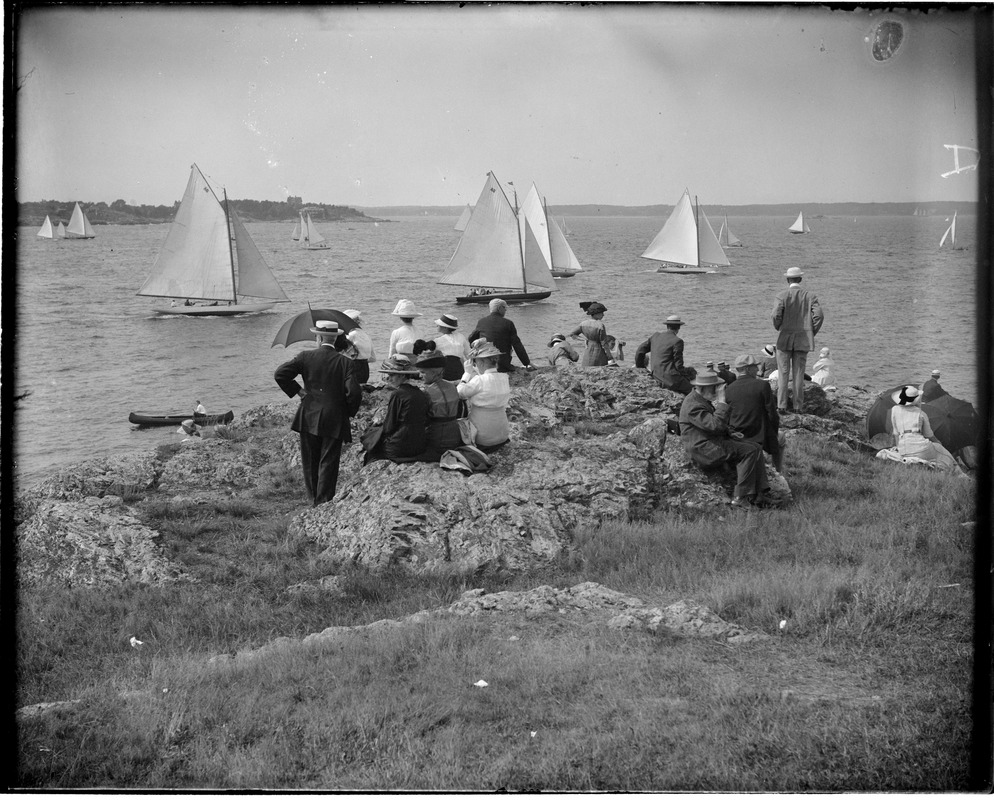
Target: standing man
797 316
754 410
709 443
666 357
502 334
329 397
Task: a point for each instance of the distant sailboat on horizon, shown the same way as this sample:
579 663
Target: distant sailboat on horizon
799 226
687 244
725 236
296 231
951 235
310 237
79 226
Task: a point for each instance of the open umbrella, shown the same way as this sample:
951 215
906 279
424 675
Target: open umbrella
954 422
298 328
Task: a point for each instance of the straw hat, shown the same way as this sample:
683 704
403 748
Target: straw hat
353 314
905 396
557 338
936 373
326 327
673 319
770 350
793 272
406 308
447 321
707 378
745 361
398 365
484 349
722 365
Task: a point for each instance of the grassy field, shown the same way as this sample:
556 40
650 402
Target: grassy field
865 586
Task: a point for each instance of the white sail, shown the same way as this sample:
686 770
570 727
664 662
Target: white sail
950 233
676 243
533 211
254 277
563 257
46 231
726 238
60 232
79 226
296 230
709 248
310 237
535 246
464 218
489 252
566 229
799 226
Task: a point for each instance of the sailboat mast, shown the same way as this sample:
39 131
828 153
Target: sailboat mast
231 252
521 244
697 227
545 209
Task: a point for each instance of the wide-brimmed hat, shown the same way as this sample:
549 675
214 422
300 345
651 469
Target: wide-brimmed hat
770 350
484 349
707 378
673 319
793 272
406 308
447 321
556 338
431 358
354 314
593 307
398 365
910 392
745 361
326 327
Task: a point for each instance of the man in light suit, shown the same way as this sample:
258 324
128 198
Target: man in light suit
665 351
329 397
797 316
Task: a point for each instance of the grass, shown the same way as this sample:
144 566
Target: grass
865 688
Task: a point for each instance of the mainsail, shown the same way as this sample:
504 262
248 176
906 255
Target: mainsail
79 226
296 229
464 218
799 226
950 233
310 237
555 248
725 236
46 231
685 242
709 249
60 232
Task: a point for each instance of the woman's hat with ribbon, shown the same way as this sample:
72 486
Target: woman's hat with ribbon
447 321
906 395
483 349
398 365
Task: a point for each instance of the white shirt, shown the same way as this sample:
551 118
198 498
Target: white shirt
489 390
363 344
405 333
200 409
453 344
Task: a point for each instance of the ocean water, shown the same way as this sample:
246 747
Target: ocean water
89 351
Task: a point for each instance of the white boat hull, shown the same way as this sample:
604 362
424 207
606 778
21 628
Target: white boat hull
213 311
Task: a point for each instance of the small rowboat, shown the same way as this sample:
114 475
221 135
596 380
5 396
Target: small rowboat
158 420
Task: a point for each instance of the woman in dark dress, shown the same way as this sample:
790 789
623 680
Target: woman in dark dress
444 403
403 436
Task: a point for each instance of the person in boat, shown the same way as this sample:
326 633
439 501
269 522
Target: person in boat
561 351
931 388
501 333
798 317
665 351
444 403
407 311
824 370
754 410
725 373
403 435
710 443
767 362
486 391
172 303
597 352
330 396
361 350
200 409
453 346
913 435
214 303
188 302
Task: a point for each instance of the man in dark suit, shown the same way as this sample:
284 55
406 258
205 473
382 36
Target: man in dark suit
725 373
502 334
666 357
329 397
797 316
754 410
709 442
931 389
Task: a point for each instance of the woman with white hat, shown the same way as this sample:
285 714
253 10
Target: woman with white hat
407 311
598 351
403 436
486 392
362 346
824 370
913 436
451 344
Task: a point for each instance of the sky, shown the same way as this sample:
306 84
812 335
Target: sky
413 105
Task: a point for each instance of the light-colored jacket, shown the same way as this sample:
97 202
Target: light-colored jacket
797 316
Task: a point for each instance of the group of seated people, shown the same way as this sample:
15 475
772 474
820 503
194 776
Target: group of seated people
481 292
420 424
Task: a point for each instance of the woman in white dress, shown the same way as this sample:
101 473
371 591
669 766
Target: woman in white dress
407 311
824 370
913 436
486 392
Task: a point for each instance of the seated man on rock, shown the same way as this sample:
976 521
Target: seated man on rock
709 443
754 410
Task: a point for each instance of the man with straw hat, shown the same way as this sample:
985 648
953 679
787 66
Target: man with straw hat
329 397
931 388
707 439
407 311
665 352
754 410
502 334
797 316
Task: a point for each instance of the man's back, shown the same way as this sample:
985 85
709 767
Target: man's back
333 393
753 407
797 316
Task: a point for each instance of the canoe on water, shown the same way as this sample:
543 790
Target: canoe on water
150 420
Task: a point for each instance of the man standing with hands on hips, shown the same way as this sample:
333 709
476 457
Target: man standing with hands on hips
329 397
797 316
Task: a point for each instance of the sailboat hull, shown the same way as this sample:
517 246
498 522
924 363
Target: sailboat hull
677 270
507 297
213 311
563 273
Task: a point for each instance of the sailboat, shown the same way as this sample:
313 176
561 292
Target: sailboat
686 244
310 237
951 235
566 228
464 218
296 231
209 255
799 226
563 262
79 226
499 252
725 236
60 232
47 232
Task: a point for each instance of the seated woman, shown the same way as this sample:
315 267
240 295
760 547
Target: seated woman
444 404
598 351
561 351
913 434
403 436
824 370
486 392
